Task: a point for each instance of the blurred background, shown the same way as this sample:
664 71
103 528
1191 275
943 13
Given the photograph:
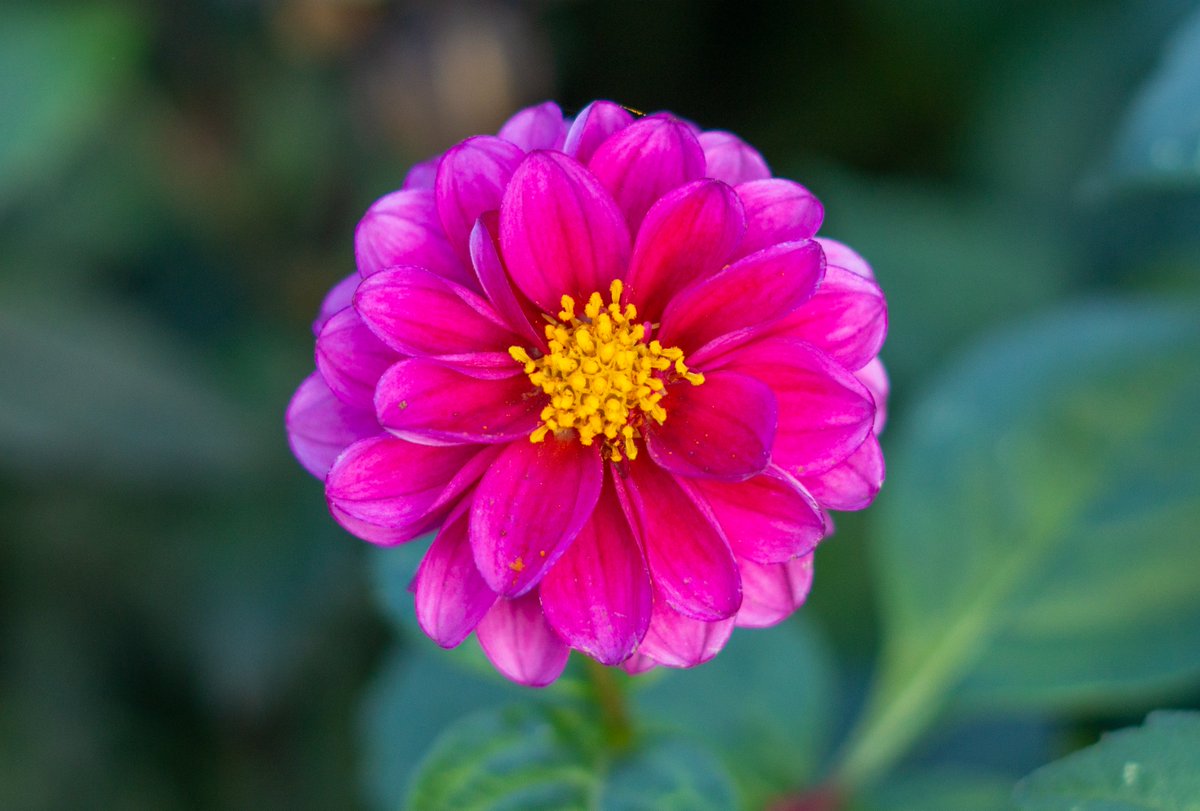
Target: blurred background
181 624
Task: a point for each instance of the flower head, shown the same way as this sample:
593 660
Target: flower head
609 361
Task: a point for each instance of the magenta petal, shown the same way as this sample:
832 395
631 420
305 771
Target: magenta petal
773 591
846 319
853 483
875 378
846 257
403 228
768 519
721 429
537 127
687 236
449 593
471 180
753 292
777 211
560 231
675 640
729 158
598 596
531 504
592 127
418 313
423 401
351 358
422 175
824 412
646 160
320 426
520 643
638 663
338 298
398 484
689 559
495 282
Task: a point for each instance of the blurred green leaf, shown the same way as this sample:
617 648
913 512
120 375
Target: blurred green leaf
61 69
1159 141
92 388
1155 767
765 703
540 757
950 263
938 791
1037 544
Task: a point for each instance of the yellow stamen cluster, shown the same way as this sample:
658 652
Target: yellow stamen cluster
603 378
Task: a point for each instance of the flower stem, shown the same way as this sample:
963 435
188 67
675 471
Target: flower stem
614 715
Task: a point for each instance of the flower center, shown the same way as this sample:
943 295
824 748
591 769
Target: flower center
602 376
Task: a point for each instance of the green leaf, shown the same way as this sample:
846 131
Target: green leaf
1036 543
1160 139
543 757
765 703
1155 767
61 68
939 791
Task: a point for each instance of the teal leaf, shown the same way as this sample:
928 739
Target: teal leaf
1036 542
665 774
1159 141
942 790
764 703
1155 767
61 70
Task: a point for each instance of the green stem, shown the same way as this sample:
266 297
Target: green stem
614 714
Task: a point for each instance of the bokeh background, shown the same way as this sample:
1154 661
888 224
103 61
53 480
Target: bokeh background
181 624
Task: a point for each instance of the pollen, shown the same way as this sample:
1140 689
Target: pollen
603 378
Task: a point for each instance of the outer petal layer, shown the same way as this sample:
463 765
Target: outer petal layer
598 596
560 231
320 426
773 591
592 127
403 228
351 358
538 127
777 211
678 641
853 483
471 180
689 558
450 595
520 643
529 507
731 159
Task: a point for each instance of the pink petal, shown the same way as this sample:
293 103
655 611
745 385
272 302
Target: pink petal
646 160
638 663
751 293
875 378
721 429
846 319
851 484
729 158
824 412
768 519
538 127
520 643
450 595
398 484
675 640
593 126
773 591
777 211
560 231
320 426
495 282
843 256
338 298
689 558
471 180
425 402
531 504
351 358
422 175
403 228
688 235
597 597
418 313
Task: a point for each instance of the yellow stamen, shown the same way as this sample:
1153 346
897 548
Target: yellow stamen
602 378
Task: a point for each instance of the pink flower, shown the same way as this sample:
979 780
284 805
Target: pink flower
611 363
